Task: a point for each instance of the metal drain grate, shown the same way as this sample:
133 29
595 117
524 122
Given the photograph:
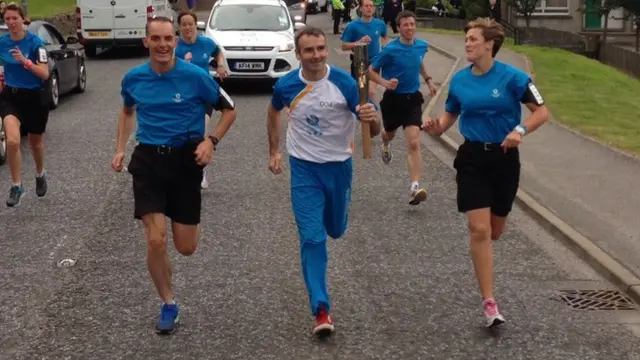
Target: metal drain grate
596 300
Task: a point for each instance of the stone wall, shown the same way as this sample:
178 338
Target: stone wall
66 23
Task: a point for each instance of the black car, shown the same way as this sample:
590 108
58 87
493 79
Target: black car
66 60
66 67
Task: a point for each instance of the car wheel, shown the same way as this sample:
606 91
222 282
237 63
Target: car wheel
3 144
91 50
54 91
82 78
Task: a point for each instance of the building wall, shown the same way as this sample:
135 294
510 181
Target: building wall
565 15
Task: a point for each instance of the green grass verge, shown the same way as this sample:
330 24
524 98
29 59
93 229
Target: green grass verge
38 9
593 98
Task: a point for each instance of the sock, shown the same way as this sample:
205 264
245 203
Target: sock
414 186
171 302
18 184
40 174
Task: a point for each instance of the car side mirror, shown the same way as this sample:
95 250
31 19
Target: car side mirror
72 40
298 26
201 25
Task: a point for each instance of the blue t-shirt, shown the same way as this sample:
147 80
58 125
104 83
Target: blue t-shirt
488 104
402 62
171 104
358 29
16 76
201 51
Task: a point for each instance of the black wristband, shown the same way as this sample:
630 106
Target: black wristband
214 141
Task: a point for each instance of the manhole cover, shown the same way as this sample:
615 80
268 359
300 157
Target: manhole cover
596 300
66 263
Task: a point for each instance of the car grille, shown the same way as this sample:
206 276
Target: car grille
234 65
249 48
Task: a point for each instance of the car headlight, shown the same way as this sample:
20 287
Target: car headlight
287 46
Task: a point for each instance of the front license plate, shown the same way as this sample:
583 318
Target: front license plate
250 66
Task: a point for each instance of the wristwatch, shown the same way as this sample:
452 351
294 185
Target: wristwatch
521 130
214 140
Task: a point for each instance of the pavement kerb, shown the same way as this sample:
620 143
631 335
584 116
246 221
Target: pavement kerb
602 262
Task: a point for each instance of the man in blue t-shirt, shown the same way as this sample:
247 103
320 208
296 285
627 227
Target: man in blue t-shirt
169 97
402 63
366 30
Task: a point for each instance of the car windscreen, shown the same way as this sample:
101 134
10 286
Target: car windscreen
250 18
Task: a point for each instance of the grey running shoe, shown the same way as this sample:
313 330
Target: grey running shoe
418 196
15 194
386 154
41 185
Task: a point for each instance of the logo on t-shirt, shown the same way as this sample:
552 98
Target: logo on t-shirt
495 93
313 123
177 98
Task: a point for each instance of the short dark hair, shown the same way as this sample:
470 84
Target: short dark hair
187 13
404 14
308 31
157 19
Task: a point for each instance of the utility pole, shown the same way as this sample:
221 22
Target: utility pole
24 7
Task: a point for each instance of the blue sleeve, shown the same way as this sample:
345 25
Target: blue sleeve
452 105
211 47
277 98
348 35
383 29
349 89
378 61
125 91
519 82
209 88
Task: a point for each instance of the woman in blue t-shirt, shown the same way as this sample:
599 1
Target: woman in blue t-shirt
199 50
487 96
23 101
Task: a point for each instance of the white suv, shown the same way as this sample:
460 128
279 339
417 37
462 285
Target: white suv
256 37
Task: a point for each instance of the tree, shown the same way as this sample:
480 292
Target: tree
633 10
601 8
525 8
474 9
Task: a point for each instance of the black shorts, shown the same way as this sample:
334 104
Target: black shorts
166 180
487 177
29 106
401 110
209 109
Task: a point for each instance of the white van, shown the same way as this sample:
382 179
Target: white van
106 23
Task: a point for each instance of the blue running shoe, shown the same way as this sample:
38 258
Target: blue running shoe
169 319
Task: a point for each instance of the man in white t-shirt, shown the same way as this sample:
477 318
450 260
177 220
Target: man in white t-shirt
324 111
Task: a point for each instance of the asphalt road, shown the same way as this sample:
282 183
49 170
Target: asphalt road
401 279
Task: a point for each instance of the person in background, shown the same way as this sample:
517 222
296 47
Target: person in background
198 50
365 30
390 12
337 13
3 6
494 10
487 96
23 101
401 63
